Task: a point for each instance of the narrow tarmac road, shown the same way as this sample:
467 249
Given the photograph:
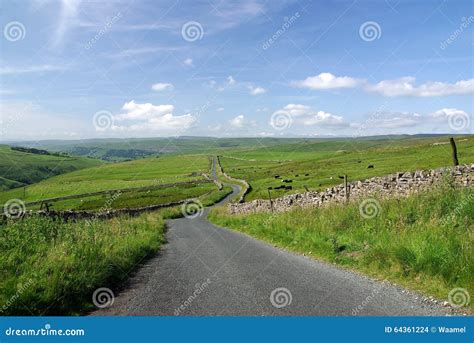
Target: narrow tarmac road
205 270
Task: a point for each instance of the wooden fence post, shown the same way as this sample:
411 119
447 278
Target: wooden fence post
455 151
270 197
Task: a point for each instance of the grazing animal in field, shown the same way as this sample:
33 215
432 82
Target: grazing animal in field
370 166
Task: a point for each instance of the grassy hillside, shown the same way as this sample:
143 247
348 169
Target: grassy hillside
139 173
18 168
317 165
424 242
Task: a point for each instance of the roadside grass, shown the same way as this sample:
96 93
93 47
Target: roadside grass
424 242
318 165
48 266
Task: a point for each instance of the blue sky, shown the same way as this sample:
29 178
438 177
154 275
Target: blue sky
80 69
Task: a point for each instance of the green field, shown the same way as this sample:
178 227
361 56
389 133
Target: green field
318 165
138 173
424 242
19 168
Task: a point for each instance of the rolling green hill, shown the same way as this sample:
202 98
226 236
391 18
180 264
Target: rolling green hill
318 165
150 172
19 168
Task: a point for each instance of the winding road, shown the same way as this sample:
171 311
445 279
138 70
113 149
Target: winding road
205 270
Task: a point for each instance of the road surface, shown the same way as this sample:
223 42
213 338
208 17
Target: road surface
205 270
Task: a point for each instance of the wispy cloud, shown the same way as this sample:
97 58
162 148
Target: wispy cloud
159 87
406 87
30 69
326 81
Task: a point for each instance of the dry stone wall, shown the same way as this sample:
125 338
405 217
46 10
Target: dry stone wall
394 185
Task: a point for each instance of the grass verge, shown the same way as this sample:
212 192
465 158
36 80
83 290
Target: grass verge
424 242
48 266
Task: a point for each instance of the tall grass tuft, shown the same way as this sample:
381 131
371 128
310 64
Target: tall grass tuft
48 266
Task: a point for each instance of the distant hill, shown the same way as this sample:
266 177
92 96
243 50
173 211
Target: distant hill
119 150
23 166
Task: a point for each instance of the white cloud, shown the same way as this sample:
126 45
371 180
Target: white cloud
391 120
220 109
326 81
305 115
30 69
148 51
405 86
238 122
156 118
230 80
445 113
159 87
256 90
188 62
